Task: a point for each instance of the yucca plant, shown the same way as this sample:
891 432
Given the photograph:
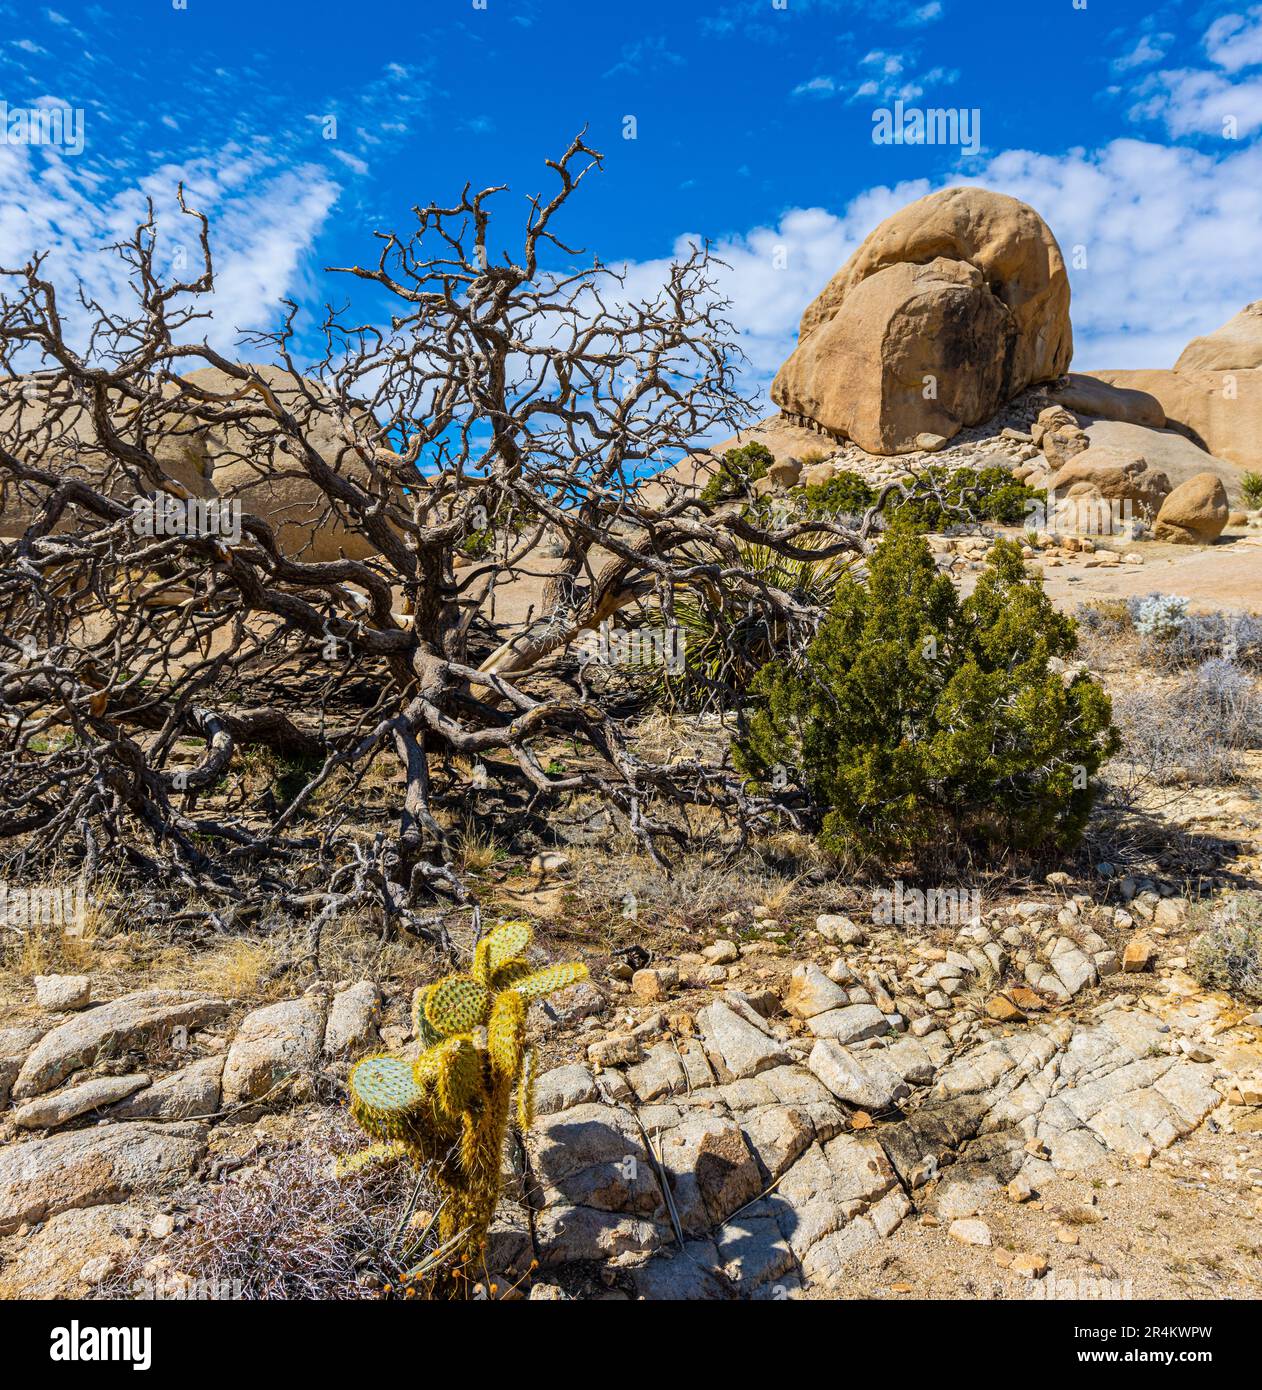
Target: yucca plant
450 1109
725 639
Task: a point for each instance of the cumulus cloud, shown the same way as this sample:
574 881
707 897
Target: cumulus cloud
1234 41
1150 48
1222 100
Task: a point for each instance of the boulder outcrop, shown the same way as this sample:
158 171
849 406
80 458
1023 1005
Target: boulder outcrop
948 309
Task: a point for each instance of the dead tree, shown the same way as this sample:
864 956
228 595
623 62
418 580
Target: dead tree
516 402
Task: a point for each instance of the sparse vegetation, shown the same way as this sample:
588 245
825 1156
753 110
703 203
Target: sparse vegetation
738 471
1228 953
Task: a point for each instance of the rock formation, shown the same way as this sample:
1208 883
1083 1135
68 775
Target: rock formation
1194 513
1213 394
948 309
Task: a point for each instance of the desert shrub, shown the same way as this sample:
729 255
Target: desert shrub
290 1229
1251 486
1159 616
739 470
963 496
912 713
478 544
1108 617
845 494
939 499
1224 700
1188 731
1228 953
1171 636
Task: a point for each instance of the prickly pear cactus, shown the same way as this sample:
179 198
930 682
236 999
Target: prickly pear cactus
451 1107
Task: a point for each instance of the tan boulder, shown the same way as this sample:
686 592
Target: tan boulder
1236 346
1008 328
254 467
1221 411
1085 395
58 434
1005 239
1115 475
917 349
785 472
1059 435
1168 452
1195 513
818 474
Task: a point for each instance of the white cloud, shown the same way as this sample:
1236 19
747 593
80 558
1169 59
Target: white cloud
1198 102
357 165
1201 101
816 87
1235 41
263 223
1150 48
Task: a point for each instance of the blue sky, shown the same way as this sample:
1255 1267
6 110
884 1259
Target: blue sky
1135 129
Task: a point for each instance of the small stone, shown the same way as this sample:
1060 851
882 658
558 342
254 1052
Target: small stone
840 973
1170 912
1019 1189
1067 1235
969 1231
549 864
648 986
162 1226
929 442
1137 956
62 994
1003 1010
811 992
353 1018
617 1050
865 1080
1031 1266
722 953
47 1112
839 929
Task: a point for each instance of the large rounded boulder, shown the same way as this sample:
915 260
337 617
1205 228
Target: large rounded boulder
949 308
1195 513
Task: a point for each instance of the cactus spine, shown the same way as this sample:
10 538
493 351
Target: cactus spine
451 1107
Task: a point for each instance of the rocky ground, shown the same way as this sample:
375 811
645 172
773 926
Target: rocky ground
1036 1091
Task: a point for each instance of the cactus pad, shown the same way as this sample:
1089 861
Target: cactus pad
384 1095
504 944
548 980
426 1034
457 1005
506 1035
459 1075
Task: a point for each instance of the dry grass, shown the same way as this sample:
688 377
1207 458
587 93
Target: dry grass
286 1228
